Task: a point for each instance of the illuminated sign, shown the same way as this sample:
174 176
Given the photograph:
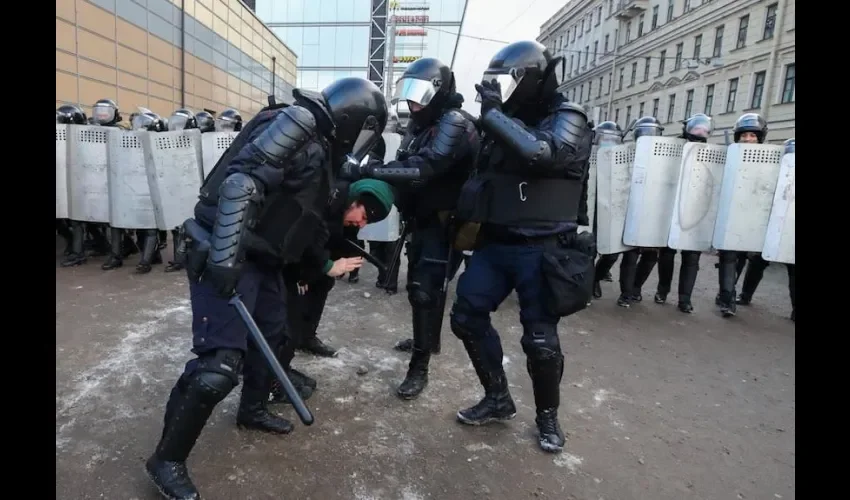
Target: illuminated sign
396 5
405 59
411 32
410 19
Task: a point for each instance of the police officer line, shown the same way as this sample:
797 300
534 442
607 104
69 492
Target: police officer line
138 179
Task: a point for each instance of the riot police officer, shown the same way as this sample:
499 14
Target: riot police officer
205 122
228 120
68 114
104 113
750 128
526 194
183 119
262 206
435 158
697 128
757 265
637 263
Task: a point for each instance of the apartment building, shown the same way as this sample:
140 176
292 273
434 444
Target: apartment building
625 59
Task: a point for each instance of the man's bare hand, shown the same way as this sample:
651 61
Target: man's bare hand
345 265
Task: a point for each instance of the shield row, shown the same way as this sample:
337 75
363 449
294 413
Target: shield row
667 192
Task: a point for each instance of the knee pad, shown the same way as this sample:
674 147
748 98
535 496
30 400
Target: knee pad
466 325
418 296
226 363
540 342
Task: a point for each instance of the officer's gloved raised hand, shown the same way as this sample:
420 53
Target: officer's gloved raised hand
353 171
222 279
491 96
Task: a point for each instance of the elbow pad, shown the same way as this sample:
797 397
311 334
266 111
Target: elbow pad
534 151
286 136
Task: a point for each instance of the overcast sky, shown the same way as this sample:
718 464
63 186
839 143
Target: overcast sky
507 20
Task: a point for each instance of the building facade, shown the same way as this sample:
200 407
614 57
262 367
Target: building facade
132 51
625 59
374 39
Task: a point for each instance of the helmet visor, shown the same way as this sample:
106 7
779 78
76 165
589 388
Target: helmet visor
103 114
224 124
699 126
507 83
411 89
366 139
177 122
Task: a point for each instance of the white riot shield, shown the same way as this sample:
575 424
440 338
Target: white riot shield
392 141
62 171
385 230
746 196
613 180
653 191
779 240
88 180
173 161
591 192
214 144
130 203
697 194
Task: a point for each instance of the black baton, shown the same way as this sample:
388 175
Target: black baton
297 403
396 256
371 259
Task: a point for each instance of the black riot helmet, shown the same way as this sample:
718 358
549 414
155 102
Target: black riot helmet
71 114
426 85
146 119
182 119
647 126
205 121
608 134
228 120
790 145
527 74
751 122
105 112
697 128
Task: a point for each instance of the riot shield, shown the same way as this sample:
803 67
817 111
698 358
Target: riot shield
779 239
653 191
591 192
88 180
746 196
173 161
613 181
130 204
62 171
697 194
392 141
214 144
385 230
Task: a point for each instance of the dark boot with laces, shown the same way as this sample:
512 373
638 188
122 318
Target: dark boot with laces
497 403
254 415
549 433
546 367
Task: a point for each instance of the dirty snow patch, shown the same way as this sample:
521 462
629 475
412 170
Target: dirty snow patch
571 462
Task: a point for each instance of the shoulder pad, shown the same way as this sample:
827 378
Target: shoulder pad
569 125
291 130
451 132
300 115
571 106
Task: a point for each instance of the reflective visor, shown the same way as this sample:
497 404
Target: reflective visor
141 122
410 89
224 125
366 139
177 122
507 84
103 114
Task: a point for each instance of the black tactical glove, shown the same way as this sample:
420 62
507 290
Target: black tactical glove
491 96
350 170
222 279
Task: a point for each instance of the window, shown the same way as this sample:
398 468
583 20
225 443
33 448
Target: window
574 95
689 104
605 116
598 15
770 21
628 115
628 31
718 41
661 62
620 81
670 4
646 63
672 108
654 18
573 38
570 70
733 95
595 51
640 110
607 37
582 28
640 25
655 103
697 46
581 93
610 79
617 116
599 88
677 64
709 99
589 22
610 7
742 32
634 73
589 89
687 5
789 83
758 90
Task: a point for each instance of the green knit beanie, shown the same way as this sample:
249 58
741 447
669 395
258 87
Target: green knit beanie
375 196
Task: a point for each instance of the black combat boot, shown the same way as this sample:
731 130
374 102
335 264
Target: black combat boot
354 276
97 245
254 415
314 345
175 265
546 380
150 252
77 255
304 384
752 277
187 411
687 279
727 277
116 251
417 372
497 403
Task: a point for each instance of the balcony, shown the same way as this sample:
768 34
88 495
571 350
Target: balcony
629 9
